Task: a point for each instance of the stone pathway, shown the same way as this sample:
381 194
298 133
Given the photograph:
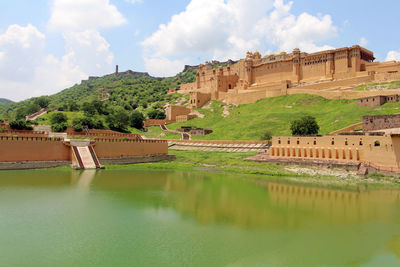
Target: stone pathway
184 136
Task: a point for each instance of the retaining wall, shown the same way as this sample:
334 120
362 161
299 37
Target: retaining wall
33 149
107 148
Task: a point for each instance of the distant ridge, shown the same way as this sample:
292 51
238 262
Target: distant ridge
212 63
4 101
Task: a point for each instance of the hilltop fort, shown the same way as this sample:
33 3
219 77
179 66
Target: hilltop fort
331 74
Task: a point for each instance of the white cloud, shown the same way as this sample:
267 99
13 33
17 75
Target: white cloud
88 51
393 55
84 14
134 1
227 29
363 41
164 66
26 71
20 49
287 31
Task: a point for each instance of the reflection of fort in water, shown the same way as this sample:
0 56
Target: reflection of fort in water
209 199
337 203
245 203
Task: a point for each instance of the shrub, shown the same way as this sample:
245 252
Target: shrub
78 127
19 125
29 127
58 117
3 129
267 135
306 125
156 114
59 127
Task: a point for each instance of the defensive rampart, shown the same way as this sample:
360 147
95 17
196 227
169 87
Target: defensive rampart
106 148
48 151
33 149
379 151
152 122
339 69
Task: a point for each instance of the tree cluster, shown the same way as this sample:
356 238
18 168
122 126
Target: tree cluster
306 125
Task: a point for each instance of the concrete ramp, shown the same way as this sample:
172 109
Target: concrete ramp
84 156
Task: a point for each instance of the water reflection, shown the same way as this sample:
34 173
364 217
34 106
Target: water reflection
84 180
243 203
210 218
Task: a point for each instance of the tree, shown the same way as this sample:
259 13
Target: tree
156 114
59 127
89 109
118 120
136 120
42 101
32 108
73 106
267 135
307 125
20 125
58 117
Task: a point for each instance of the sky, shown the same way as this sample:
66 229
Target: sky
50 45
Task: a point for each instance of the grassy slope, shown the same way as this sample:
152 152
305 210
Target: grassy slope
249 121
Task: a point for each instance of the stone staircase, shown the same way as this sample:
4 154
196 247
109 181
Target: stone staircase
84 156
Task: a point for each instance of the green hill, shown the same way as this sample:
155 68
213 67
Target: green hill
4 101
128 90
250 121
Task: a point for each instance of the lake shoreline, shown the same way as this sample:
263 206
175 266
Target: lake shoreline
223 162
235 163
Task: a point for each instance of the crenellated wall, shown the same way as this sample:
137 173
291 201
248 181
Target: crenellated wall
20 149
331 69
33 149
381 151
106 148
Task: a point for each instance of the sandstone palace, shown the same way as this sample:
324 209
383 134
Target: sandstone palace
332 74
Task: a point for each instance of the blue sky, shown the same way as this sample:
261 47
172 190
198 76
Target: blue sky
49 45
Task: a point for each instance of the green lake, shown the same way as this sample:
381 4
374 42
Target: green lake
121 217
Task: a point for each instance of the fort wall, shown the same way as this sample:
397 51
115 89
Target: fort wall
33 149
198 99
154 122
106 148
325 70
381 151
379 122
187 87
39 149
174 111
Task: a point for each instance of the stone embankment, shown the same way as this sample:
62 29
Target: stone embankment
264 157
222 146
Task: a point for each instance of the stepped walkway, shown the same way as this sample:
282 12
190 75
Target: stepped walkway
36 115
222 146
84 156
184 136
